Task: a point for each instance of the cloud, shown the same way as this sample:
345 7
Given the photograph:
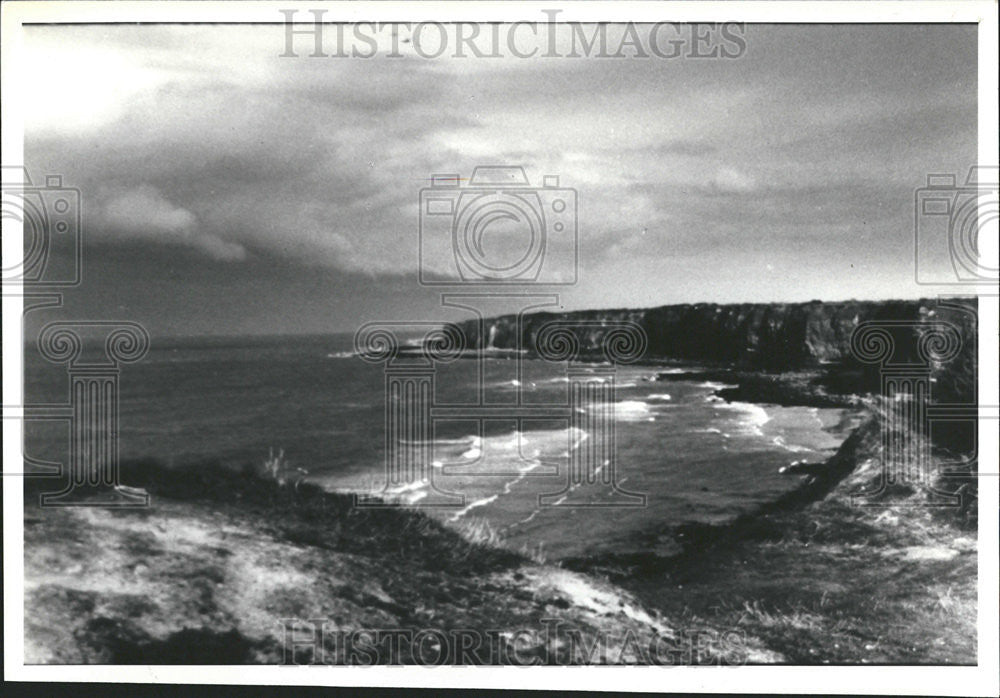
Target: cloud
689 148
143 213
731 180
219 249
206 139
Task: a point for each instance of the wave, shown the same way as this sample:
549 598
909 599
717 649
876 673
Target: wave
516 384
525 446
626 410
468 440
716 385
474 505
780 441
754 416
487 352
633 410
523 474
408 493
511 384
588 379
572 488
664 397
712 430
512 446
628 407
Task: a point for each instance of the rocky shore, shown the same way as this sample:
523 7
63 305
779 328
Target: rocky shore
225 564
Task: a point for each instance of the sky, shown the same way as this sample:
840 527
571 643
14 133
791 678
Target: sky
226 189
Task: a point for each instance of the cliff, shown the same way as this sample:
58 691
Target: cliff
780 336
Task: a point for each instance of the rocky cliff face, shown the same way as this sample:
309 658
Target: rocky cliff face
779 336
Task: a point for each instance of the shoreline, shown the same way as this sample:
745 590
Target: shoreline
308 529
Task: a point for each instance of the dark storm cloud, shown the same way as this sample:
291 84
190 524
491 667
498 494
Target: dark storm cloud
203 140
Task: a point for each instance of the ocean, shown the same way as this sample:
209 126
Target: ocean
681 454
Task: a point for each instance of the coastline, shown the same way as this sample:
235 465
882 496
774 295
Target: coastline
206 573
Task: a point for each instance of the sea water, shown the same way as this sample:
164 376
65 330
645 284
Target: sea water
680 453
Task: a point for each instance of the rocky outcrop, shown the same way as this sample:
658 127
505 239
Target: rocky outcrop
779 336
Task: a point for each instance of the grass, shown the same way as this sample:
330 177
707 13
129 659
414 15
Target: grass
817 596
280 469
481 532
798 619
308 515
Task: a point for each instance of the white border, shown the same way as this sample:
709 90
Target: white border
981 680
